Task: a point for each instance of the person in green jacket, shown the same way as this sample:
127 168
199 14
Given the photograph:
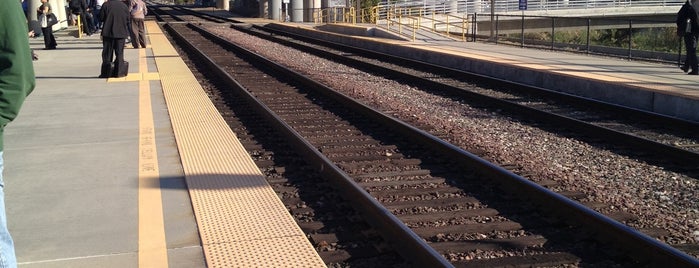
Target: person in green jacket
16 82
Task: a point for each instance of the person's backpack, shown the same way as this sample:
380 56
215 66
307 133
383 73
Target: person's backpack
75 6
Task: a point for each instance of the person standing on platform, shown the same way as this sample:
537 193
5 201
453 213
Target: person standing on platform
89 15
688 28
138 14
47 20
25 7
96 12
16 82
79 9
31 32
115 16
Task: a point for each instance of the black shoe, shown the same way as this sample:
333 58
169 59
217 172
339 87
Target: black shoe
684 68
693 73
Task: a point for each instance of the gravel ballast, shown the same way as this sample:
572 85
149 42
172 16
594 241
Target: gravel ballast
660 199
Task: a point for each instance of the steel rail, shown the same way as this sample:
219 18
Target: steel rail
203 15
410 245
159 13
643 247
669 152
646 115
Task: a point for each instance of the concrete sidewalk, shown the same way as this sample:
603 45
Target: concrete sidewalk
72 170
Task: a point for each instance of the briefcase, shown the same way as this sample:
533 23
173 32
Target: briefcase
121 69
107 69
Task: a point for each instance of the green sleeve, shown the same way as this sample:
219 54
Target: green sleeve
16 68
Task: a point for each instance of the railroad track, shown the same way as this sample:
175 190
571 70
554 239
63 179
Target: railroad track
445 195
164 13
172 13
337 231
656 228
664 141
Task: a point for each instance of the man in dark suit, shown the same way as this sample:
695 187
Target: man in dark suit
115 16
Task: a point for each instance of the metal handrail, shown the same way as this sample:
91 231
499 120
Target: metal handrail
440 21
468 6
418 17
396 19
459 22
319 15
335 15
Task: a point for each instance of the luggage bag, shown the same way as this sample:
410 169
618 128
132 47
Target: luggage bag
121 69
107 69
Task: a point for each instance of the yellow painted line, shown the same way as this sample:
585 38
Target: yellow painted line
135 77
241 220
595 76
142 74
152 249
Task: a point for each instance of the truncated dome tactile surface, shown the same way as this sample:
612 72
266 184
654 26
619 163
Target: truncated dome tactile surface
241 221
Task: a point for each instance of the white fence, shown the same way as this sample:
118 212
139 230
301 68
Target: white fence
509 6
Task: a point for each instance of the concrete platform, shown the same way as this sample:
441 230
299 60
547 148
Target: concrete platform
72 165
138 171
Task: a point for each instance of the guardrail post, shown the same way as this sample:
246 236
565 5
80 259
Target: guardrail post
415 26
630 38
587 49
497 21
522 30
553 33
474 28
374 15
447 25
464 23
80 28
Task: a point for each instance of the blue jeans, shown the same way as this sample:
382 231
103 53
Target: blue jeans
96 15
7 247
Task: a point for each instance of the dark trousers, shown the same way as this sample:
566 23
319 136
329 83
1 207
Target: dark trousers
112 47
96 15
85 23
49 39
690 43
139 33
90 22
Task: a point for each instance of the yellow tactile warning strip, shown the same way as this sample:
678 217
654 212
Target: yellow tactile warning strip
140 76
241 220
152 249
